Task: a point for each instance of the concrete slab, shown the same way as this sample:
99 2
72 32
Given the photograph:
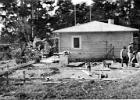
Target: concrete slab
75 64
87 72
50 59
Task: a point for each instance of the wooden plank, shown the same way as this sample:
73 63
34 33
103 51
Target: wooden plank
131 68
110 79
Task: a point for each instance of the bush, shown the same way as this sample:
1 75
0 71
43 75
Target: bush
21 60
37 59
16 53
22 96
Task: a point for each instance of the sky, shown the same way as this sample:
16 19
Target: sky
81 1
87 1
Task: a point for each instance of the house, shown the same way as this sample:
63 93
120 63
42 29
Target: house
95 39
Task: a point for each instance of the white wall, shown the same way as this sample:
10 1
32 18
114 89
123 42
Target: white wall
94 44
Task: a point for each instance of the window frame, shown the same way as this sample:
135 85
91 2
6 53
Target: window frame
80 43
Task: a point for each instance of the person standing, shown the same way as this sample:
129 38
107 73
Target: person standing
138 58
130 52
89 66
134 59
124 56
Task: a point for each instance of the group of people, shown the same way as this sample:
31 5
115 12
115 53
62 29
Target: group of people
128 55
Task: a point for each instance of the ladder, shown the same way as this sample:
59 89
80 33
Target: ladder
110 52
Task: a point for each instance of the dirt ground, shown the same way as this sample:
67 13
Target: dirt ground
37 71
49 80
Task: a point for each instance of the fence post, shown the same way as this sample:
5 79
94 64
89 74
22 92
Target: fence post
7 75
24 76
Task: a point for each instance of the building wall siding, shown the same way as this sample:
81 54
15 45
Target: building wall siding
95 45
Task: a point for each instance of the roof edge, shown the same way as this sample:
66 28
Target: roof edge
62 29
96 31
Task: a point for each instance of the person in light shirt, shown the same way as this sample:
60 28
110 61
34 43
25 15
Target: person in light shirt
130 52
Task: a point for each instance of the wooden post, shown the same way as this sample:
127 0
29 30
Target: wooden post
32 15
75 14
7 77
106 49
90 12
99 75
24 77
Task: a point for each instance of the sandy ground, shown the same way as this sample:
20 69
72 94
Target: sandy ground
37 70
121 82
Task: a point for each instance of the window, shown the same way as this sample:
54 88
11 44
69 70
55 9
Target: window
76 42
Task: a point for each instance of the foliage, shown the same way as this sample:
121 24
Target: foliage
13 25
24 20
21 18
64 15
101 10
123 12
30 14
29 18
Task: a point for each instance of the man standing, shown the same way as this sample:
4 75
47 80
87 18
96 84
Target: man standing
138 58
89 67
124 56
130 52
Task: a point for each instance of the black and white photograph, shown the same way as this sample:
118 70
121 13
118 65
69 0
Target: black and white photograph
69 49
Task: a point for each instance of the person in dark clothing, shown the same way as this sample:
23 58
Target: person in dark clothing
89 66
50 52
124 56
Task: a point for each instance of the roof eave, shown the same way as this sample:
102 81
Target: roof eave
93 31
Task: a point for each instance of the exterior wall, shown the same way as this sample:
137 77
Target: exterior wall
95 45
